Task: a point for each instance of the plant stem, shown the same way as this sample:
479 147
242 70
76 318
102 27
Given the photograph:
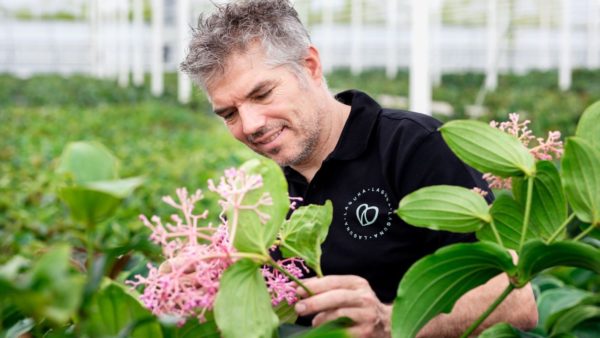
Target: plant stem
90 248
585 232
560 229
489 310
496 233
290 276
527 211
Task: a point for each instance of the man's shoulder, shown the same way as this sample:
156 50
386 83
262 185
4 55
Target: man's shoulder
396 120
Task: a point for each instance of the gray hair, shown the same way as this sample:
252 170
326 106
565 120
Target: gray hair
234 26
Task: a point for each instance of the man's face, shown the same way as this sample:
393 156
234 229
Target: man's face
270 109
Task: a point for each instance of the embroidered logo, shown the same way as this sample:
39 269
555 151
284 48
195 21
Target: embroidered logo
368 215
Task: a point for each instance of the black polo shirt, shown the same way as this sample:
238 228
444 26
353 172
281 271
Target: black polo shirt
381 156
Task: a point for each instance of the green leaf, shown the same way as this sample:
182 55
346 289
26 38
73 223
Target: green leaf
548 202
50 290
537 256
588 127
569 320
118 188
252 235
285 312
193 329
555 300
445 207
87 162
504 330
115 309
87 205
508 217
581 179
488 149
434 283
333 329
302 235
243 305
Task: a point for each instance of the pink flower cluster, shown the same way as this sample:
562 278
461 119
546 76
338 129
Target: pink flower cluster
186 283
279 285
545 150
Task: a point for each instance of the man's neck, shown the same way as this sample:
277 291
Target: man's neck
336 115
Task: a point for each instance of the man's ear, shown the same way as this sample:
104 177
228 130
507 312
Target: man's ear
312 63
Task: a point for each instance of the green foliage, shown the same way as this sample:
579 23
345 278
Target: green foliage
435 208
529 222
487 149
242 283
303 233
433 284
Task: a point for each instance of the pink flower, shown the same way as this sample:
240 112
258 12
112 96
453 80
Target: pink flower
545 150
187 282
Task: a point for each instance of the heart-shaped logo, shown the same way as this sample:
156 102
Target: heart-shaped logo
366 215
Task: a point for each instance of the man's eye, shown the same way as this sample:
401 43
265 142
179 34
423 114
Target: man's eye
228 116
263 95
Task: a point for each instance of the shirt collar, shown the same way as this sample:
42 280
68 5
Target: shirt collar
355 136
359 126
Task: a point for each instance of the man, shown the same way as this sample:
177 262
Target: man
255 61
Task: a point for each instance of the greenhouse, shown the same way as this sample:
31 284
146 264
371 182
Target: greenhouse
300 168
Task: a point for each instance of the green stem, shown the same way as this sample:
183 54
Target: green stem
527 211
489 310
290 276
90 248
585 232
560 229
498 239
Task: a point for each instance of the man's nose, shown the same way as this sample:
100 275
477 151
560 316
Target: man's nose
252 119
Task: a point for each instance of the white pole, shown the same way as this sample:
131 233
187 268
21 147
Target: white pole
391 60
111 39
356 21
184 85
93 17
564 80
328 37
491 76
593 56
123 17
138 42
436 42
545 12
157 47
420 80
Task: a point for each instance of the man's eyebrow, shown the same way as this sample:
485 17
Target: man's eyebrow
255 90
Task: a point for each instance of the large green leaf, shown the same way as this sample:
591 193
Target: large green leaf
574 316
508 218
89 206
87 162
252 234
537 256
504 330
433 284
488 149
302 235
243 305
445 207
548 203
581 179
115 309
553 301
119 188
588 127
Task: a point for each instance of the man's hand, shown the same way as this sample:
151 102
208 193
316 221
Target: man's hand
345 296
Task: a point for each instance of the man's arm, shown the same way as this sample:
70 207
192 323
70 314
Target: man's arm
351 296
